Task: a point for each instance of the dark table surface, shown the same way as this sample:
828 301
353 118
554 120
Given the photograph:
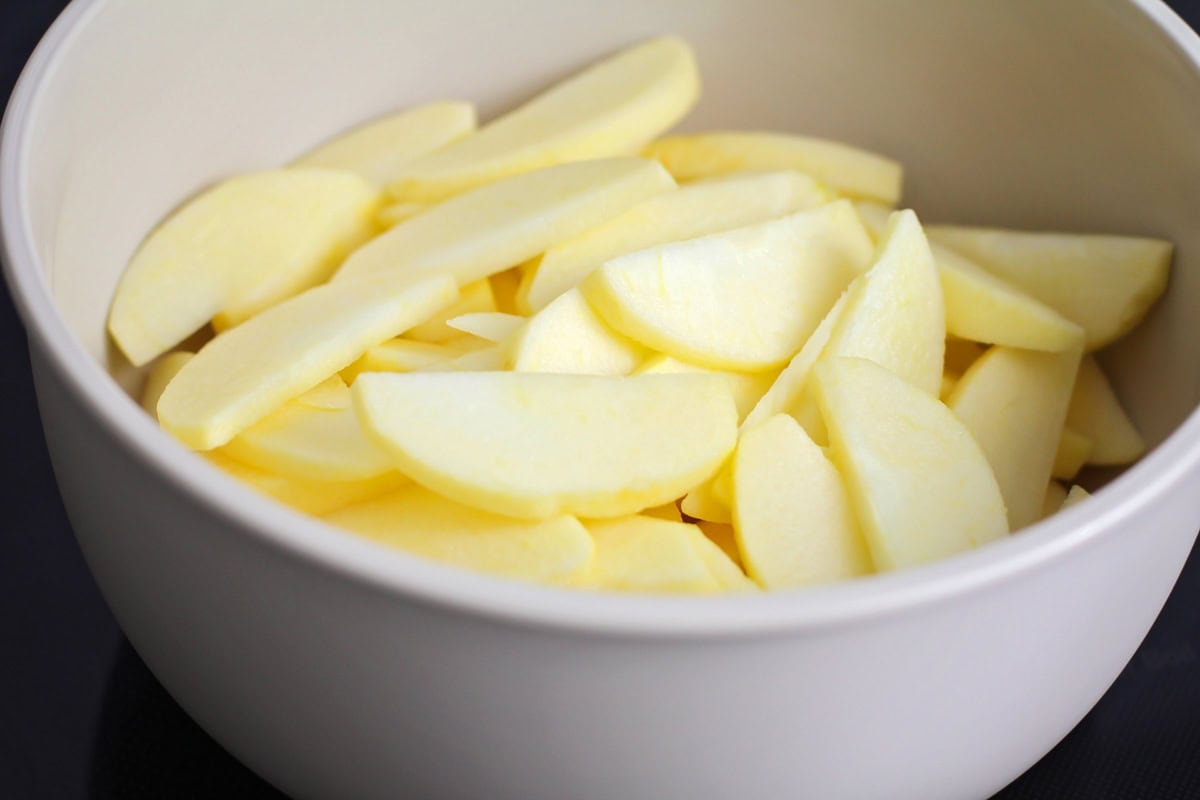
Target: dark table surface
82 717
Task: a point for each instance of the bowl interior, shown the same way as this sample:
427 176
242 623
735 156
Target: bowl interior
1070 115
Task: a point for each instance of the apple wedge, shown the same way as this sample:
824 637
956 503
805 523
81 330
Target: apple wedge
567 336
920 485
612 108
379 150
745 299
1104 284
309 497
538 444
1095 412
1014 403
491 326
238 247
699 209
648 555
418 521
245 373
792 515
502 224
847 170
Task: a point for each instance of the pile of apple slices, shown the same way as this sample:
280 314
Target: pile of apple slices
563 349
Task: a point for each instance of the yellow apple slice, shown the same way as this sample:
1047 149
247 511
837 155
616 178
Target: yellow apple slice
699 209
379 150
1073 451
847 170
723 567
393 214
247 372
792 515
648 555
567 336
485 359
309 497
745 299
491 326
475 297
920 485
1056 493
1077 495
1105 284
588 445
331 394
747 387
418 521
1014 403
247 242
701 502
1095 412
874 216
161 374
502 224
612 108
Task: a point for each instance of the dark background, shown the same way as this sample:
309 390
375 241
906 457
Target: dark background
81 717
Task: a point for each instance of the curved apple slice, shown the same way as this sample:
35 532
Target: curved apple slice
649 555
1095 412
567 336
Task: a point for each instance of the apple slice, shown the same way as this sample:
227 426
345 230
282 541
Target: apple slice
1105 284
379 150
502 224
1073 451
701 502
538 444
418 521
1095 412
239 247
699 209
245 373
920 485
567 336
161 374
747 387
612 108
491 326
648 555
331 394
1014 403
309 497
403 355
745 299
792 515
847 170
474 297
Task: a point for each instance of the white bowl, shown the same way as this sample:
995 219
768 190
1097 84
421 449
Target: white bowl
337 669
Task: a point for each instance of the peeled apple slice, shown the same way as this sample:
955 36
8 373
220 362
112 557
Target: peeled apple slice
537 444
747 387
238 247
745 299
611 108
245 373
161 374
421 522
1014 402
491 326
847 170
502 224
379 150
794 521
567 336
1105 284
309 497
698 209
921 487
644 554
1095 412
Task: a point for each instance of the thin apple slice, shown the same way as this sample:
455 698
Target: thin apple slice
1073 451
699 209
921 486
847 170
502 224
745 299
588 445
747 387
792 515
309 497
245 373
567 336
1095 412
612 108
491 326
1105 284
380 149
648 555
238 247
418 521
474 297
160 375
1014 403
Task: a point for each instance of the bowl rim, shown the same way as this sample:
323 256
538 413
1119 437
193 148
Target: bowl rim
412 579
